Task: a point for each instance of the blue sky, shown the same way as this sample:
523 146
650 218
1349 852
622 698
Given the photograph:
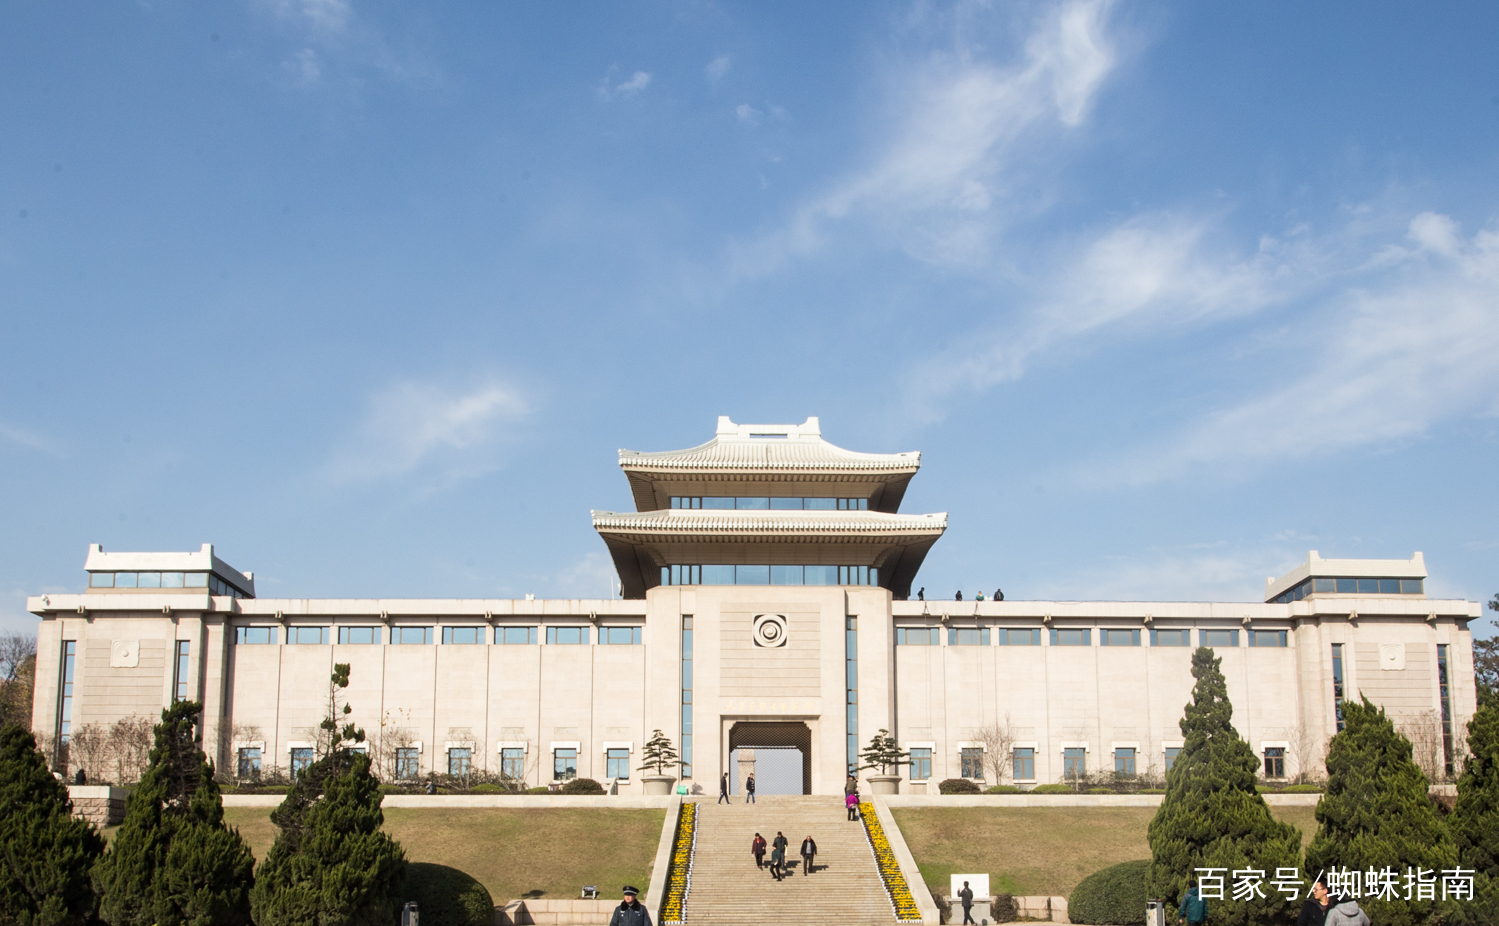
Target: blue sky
368 294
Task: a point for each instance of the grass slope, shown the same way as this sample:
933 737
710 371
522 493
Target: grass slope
546 852
1037 850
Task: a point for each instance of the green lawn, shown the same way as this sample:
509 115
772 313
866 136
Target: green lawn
546 852
1036 850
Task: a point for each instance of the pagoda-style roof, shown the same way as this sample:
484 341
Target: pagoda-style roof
773 526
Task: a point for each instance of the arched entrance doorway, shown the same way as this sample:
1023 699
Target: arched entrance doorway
780 753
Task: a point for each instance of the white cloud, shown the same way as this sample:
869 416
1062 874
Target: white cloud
28 439
330 15
1204 572
717 68
591 577
412 424
749 114
608 90
304 66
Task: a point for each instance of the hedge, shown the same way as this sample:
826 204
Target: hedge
1055 788
957 786
582 786
1005 789
446 896
1115 895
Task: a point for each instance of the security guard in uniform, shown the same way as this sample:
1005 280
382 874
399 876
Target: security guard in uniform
630 911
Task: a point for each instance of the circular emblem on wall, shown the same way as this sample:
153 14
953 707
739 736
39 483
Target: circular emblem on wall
770 630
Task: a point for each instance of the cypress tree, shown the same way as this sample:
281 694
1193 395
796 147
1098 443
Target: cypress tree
1376 813
1212 816
1475 819
174 861
45 852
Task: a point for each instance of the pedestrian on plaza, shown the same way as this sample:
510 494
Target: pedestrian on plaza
1344 911
630 911
780 842
958 596
999 594
431 785
851 801
1314 908
1193 908
778 863
851 785
966 895
749 789
809 852
723 789
757 849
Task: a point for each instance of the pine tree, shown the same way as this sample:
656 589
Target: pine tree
1376 813
1212 816
659 754
174 861
45 852
1475 819
883 753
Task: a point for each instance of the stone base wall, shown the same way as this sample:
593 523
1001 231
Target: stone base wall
538 912
102 805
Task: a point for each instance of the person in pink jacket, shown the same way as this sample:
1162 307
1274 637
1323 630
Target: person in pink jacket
852 802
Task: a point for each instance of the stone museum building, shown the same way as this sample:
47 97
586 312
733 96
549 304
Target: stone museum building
767 620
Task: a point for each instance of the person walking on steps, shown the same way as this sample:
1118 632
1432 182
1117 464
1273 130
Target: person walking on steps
809 852
778 862
851 801
966 895
630 911
757 849
780 842
1193 908
723 789
1345 911
749 789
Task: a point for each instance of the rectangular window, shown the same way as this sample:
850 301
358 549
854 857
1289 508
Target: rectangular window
851 673
1223 638
1071 637
1124 761
567 635
181 669
463 635
1171 753
1074 762
460 761
968 636
312 635
1324 585
65 693
786 504
1171 638
515 636
195 580
148 580
256 635
564 764
1389 586
686 753
785 575
171 580
1347 586
1410 586
410 636
249 762
617 763
1337 684
1119 637
751 575
916 636
1267 637
124 580
1275 762
820 504
853 504
1445 696
1368 586
359 635
513 763
1025 763
971 762
858 575
620 635
718 503
301 757
101 580
921 764
408 763
1014 637
819 575
752 504
718 575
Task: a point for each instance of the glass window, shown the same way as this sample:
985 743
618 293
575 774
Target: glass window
359 634
65 696
1074 762
785 504
1410 586
971 761
684 757
1337 684
858 575
463 635
460 761
1119 637
751 575
617 763
301 757
513 762
820 504
1219 638
1171 638
718 575
1389 586
1124 761
255 635
1368 586
148 580
1275 762
411 635
564 763
1019 637
819 575
916 636
101 580
171 580
921 764
718 503
752 504
851 691
1268 637
124 580
195 580
968 636
853 504
1071 637
1171 753
515 636
1347 586
313 635
249 762
408 763
785 575
184 664
620 635
1025 763
1324 585
570 635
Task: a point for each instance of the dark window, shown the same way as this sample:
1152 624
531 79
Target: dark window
1171 638
972 762
460 762
1444 694
513 763
249 762
1275 762
1347 586
1267 637
617 763
1337 684
301 757
916 636
921 764
65 695
1074 762
1025 764
1119 637
184 664
1171 753
1124 761
408 763
968 636
1410 586
564 763
1324 585
1071 637
1224 638
1021 637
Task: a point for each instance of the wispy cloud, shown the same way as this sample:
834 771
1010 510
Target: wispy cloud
717 69
330 15
29 439
410 425
334 39
1202 572
610 89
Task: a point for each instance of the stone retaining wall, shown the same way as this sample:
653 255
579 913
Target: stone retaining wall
103 805
539 912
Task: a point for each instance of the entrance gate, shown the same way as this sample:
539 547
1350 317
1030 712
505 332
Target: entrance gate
782 757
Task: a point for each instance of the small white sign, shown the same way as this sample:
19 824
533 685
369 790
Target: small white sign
979 884
1391 657
124 654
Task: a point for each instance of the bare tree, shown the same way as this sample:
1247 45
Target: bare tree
90 749
17 678
1306 752
130 740
999 742
1424 730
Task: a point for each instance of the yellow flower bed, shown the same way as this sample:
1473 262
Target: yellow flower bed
884 859
679 875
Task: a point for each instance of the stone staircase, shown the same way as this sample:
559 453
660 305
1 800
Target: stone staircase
844 887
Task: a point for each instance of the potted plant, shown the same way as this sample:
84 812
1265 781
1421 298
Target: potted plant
885 754
659 756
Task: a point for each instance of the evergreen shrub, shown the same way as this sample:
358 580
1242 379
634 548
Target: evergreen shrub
446 896
1004 789
1301 789
957 786
1475 818
1100 791
1053 788
1114 896
582 786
